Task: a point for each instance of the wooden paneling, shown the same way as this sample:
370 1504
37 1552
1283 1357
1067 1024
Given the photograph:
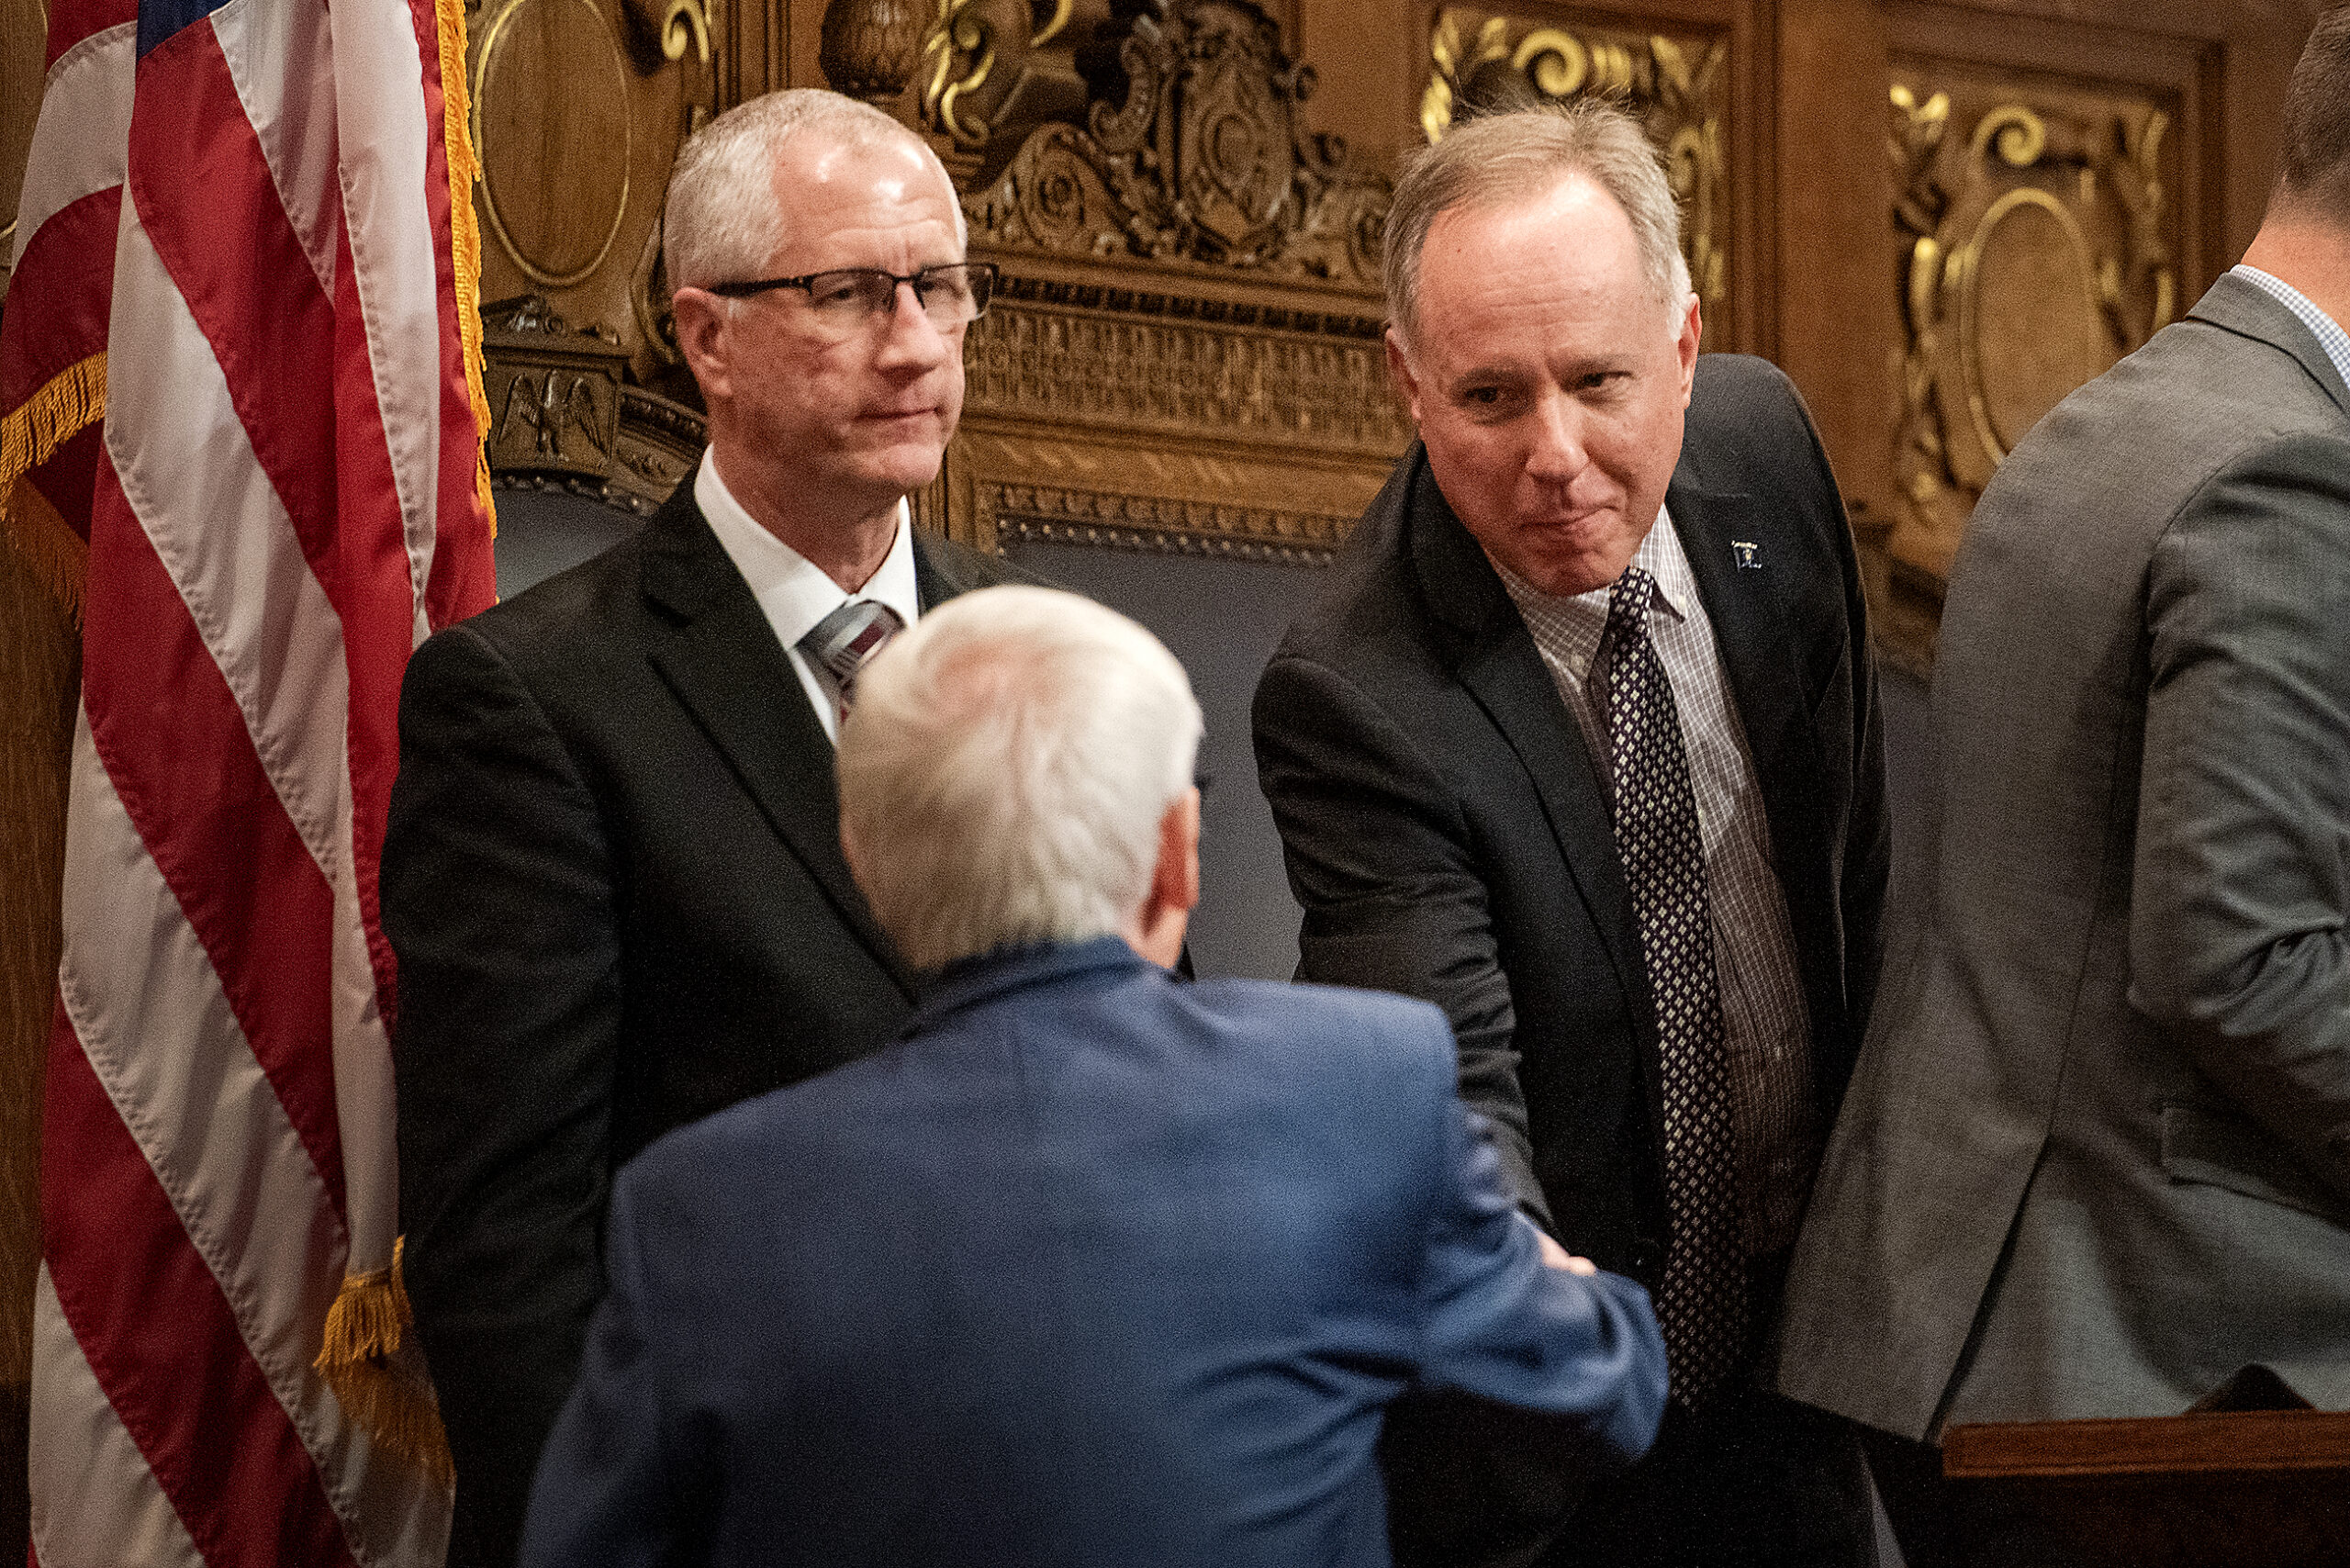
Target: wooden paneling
2192 1491
1832 193
578 109
1217 388
39 656
1695 73
2052 186
1185 356
24 34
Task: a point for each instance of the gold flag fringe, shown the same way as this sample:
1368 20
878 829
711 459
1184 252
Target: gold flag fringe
465 233
391 1405
369 1320
70 402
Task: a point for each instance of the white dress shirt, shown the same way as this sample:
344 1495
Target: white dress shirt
1765 1025
793 593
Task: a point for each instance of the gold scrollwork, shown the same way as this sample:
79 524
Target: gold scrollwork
1453 65
686 26
959 31
1062 11
1997 329
1674 85
1195 154
2022 135
1561 63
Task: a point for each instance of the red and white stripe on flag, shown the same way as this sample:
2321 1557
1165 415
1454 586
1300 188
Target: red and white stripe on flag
287 499
53 335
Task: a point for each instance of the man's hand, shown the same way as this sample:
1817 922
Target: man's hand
1556 1256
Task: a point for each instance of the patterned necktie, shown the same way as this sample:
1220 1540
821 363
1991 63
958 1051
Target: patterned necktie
843 639
1702 1308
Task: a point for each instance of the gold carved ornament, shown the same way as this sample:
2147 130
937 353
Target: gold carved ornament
1190 148
961 36
2047 195
1184 353
685 27
1677 88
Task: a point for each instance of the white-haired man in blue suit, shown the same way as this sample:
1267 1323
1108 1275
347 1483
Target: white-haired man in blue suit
1091 1265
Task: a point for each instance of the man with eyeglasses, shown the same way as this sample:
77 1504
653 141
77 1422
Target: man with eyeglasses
612 875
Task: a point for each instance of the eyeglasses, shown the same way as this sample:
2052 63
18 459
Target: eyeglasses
848 299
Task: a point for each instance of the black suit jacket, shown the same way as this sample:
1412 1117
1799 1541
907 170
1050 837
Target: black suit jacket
613 879
1447 831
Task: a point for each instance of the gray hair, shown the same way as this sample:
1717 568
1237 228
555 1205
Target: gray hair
2314 162
723 223
1501 158
1006 769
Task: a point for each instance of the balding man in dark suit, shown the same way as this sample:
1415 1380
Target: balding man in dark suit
1581 744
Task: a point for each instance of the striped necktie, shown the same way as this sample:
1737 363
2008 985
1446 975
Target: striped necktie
842 643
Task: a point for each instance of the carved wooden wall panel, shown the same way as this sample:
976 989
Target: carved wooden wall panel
564 416
578 109
2043 225
1185 353
1133 427
1675 74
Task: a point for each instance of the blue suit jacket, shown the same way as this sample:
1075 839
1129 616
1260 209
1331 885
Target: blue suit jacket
1088 1267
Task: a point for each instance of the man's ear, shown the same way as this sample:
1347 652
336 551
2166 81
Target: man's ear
1399 371
1685 346
1175 881
702 318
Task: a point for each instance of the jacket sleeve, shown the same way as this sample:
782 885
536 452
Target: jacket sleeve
498 899
1533 1383
2241 886
614 1490
1499 1324
1379 855
1867 848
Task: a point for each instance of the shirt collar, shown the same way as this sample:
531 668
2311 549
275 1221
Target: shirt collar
1575 624
2330 333
793 592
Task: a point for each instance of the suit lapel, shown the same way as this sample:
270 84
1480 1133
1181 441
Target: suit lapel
1764 664
1499 665
727 669
1758 650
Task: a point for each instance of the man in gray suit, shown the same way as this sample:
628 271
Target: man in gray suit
2096 1156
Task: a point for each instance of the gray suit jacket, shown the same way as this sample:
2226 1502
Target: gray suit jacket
2096 1156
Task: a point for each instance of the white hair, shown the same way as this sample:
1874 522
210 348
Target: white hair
1005 770
723 223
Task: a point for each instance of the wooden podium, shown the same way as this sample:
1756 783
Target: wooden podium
2235 1489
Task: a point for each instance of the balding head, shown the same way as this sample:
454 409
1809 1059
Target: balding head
724 221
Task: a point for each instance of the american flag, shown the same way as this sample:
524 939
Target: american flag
264 206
